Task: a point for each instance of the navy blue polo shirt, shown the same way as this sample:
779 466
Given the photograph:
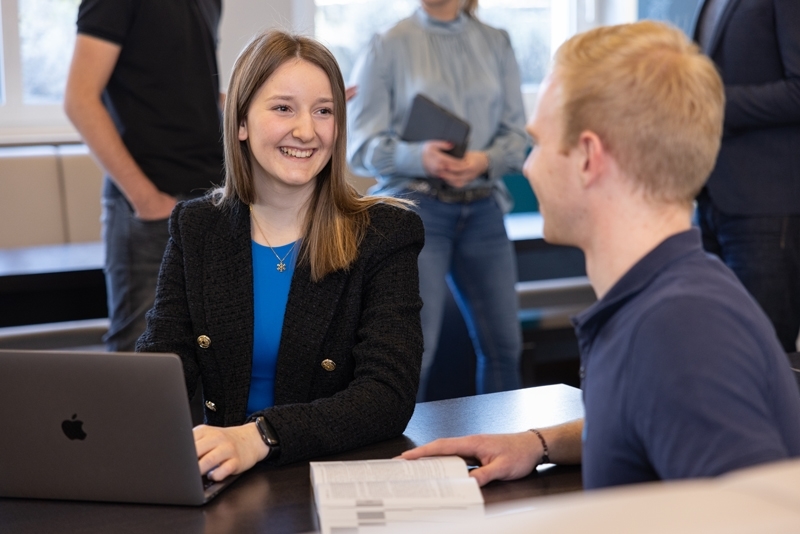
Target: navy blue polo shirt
682 374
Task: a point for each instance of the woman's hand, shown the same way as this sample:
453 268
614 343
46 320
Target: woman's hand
466 169
434 159
228 451
454 171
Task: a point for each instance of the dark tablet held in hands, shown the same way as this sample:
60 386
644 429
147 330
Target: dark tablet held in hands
429 121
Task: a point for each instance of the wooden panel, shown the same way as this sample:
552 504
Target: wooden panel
83 181
30 201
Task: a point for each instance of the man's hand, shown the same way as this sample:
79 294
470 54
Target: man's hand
228 451
509 456
157 206
502 456
456 172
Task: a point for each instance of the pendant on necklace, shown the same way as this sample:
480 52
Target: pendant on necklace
281 266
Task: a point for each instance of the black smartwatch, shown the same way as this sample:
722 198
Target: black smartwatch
269 436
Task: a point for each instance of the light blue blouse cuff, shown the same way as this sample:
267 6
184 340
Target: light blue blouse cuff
408 159
497 164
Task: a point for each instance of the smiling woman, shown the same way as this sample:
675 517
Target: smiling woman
299 360
290 128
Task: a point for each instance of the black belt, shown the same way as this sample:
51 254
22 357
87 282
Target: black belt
448 194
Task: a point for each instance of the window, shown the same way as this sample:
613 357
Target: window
346 27
38 37
679 12
528 23
46 37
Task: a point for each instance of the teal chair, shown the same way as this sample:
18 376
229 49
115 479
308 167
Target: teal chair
524 199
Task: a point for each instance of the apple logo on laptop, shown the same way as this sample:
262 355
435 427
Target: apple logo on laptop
73 428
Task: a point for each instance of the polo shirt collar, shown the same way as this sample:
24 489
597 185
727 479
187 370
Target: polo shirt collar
636 280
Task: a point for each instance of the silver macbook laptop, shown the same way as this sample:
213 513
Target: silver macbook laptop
98 426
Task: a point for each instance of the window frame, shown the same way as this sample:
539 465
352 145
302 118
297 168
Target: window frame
24 124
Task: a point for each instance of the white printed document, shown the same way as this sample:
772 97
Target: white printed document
382 495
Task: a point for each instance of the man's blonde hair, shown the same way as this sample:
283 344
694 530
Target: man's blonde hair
655 101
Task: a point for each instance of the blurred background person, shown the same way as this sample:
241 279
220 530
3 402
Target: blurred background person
749 211
143 92
443 52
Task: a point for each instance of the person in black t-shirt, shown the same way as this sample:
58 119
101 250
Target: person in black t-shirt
143 91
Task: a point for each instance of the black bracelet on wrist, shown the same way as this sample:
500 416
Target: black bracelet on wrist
546 455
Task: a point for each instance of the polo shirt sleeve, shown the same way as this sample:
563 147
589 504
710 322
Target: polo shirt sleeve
109 20
699 398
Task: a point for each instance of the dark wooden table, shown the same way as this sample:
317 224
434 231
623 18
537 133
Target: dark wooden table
277 500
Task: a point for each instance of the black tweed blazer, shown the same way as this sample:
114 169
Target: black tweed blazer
366 320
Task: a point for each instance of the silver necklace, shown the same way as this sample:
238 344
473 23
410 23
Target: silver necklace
281 265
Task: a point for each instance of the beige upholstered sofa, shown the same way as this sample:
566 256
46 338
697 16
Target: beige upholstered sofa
48 195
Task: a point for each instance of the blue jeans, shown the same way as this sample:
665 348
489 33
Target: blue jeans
134 249
466 247
764 252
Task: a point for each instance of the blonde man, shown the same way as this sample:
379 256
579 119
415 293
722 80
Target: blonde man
682 373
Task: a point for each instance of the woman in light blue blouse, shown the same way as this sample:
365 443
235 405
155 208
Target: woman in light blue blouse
445 53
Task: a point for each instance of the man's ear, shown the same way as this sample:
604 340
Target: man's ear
243 130
592 155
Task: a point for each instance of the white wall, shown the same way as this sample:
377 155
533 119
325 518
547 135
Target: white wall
242 19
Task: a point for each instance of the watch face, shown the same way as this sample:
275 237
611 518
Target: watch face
266 432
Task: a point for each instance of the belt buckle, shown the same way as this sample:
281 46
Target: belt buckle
421 186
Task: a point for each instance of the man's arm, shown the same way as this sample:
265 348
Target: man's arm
508 456
93 62
776 103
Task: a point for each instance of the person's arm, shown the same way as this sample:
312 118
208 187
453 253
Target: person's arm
508 456
775 103
510 144
93 62
373 147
